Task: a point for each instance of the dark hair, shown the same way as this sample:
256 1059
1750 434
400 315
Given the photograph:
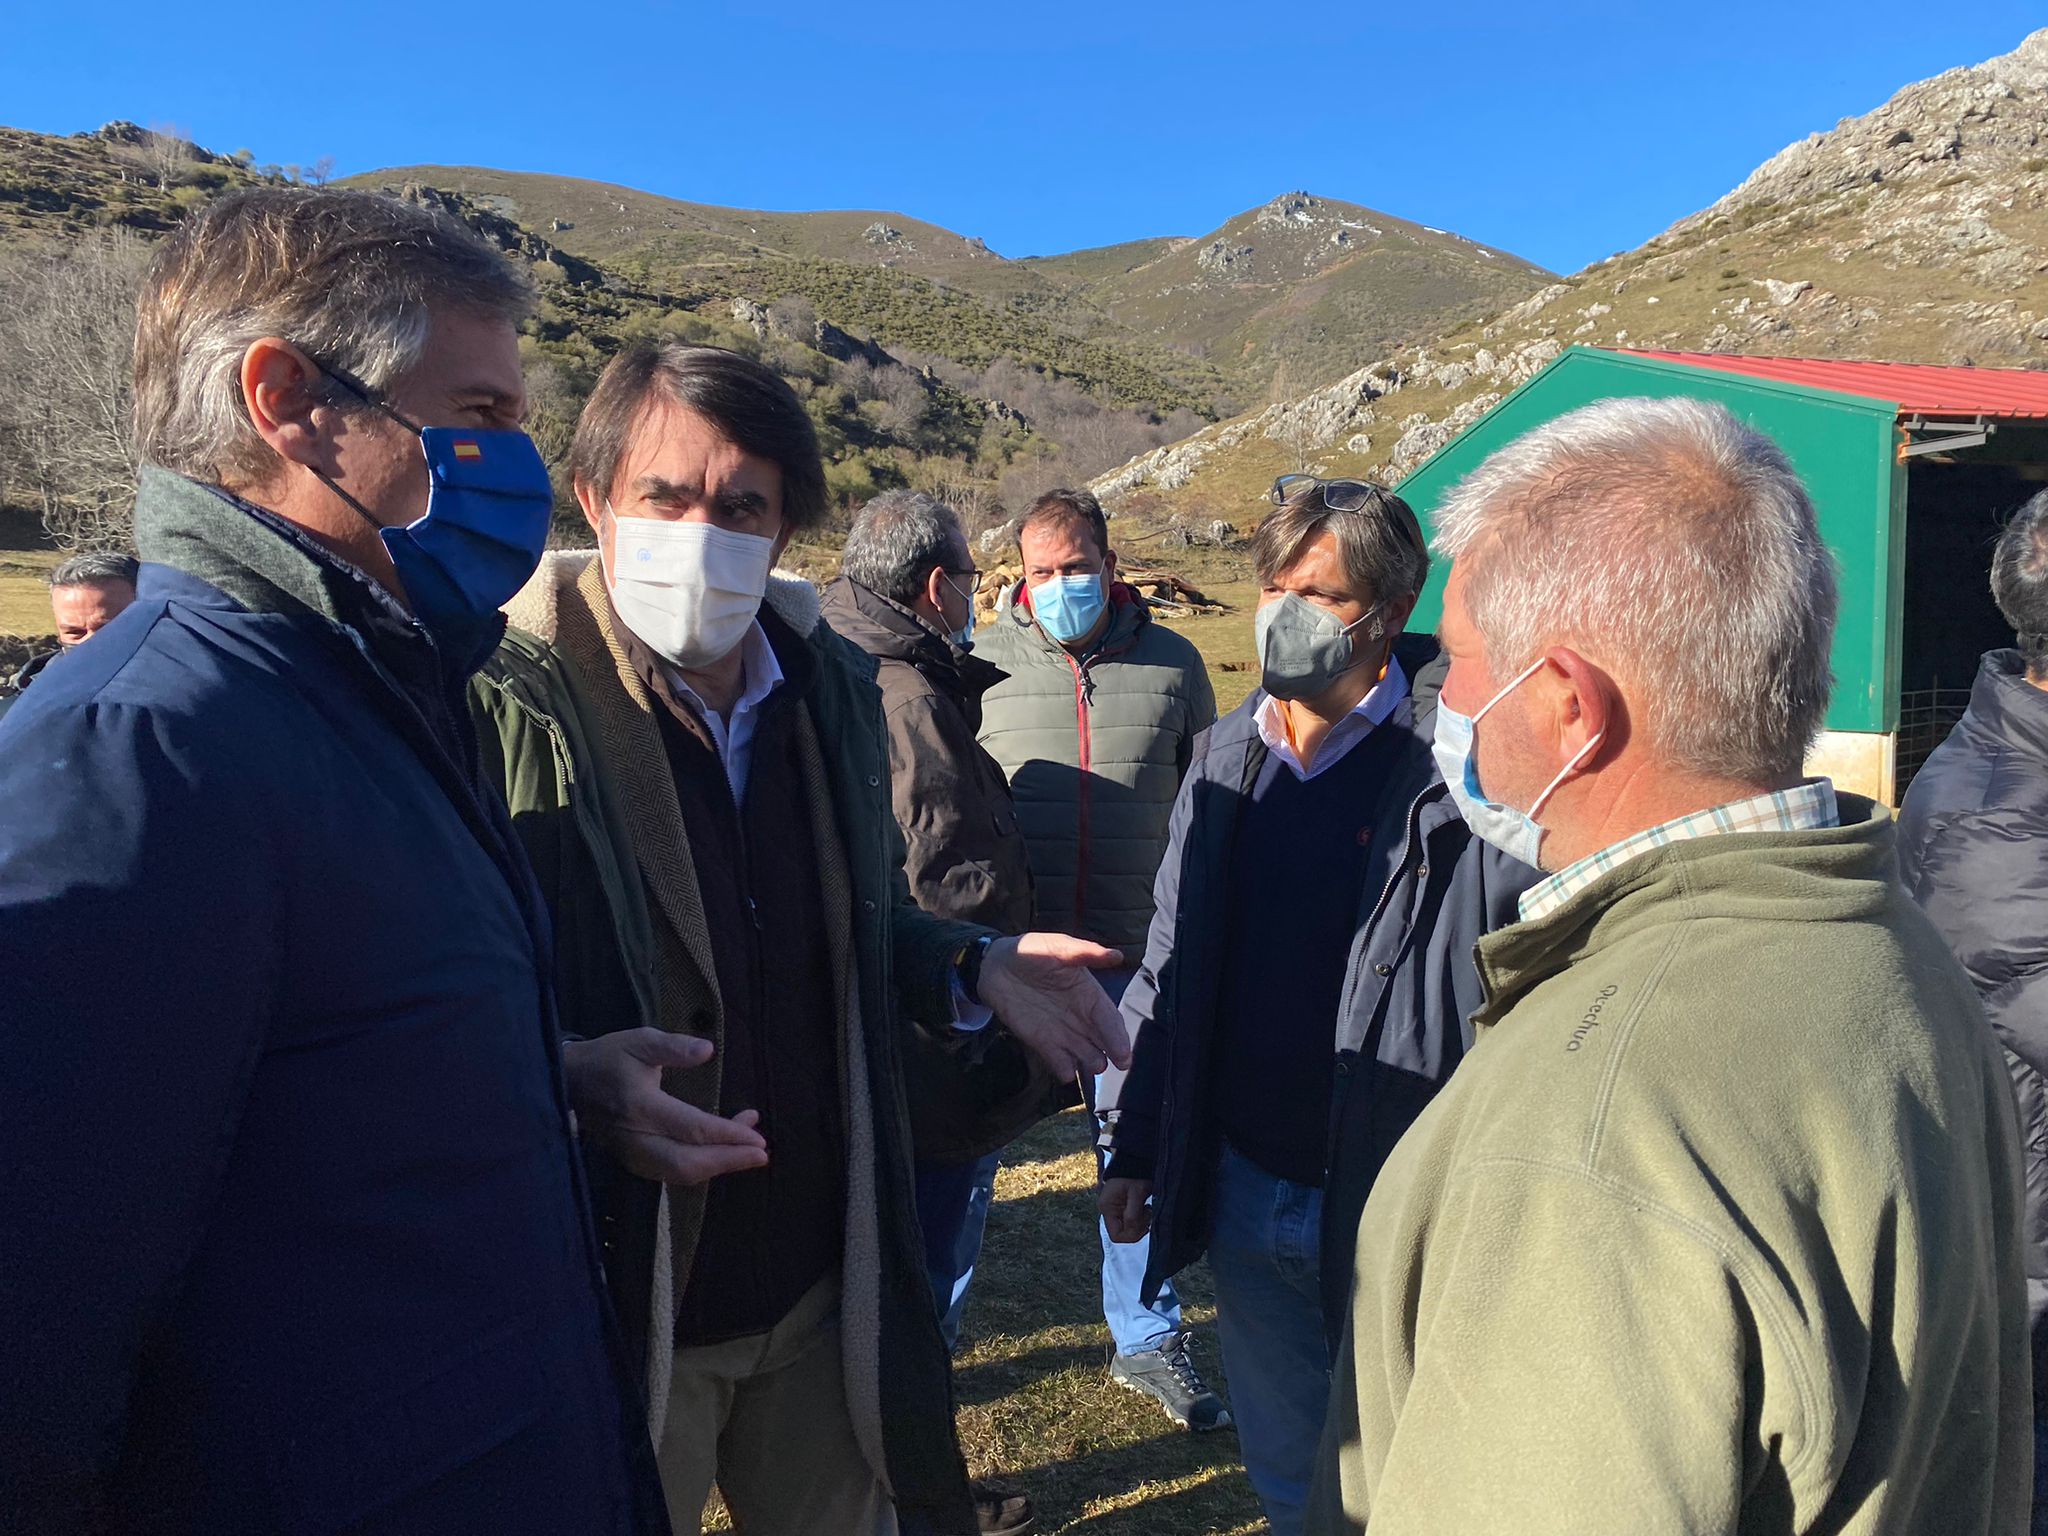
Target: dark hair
353 278
1379 544
2019 581
898 540
749 405
1064 508
84 570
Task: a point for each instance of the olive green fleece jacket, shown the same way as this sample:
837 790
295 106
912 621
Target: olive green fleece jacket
1716 1230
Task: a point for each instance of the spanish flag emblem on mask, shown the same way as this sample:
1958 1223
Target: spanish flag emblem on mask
467 450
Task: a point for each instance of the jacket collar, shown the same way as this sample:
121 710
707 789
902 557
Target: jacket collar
2008 708
889 631
269 564
1847 871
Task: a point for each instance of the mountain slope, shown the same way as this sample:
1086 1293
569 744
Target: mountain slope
910 285
1917 232
1304 287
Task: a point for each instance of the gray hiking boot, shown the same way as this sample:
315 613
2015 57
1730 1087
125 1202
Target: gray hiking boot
1168 1376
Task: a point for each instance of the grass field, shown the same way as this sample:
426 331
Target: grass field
1037 1407
25 566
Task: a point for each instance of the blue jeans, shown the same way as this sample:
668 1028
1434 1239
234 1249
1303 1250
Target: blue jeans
1265 1256
1135 1326
952 1213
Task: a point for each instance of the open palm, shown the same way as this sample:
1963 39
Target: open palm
1042 986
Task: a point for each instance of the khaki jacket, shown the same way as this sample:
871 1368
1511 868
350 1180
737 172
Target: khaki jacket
1716 1230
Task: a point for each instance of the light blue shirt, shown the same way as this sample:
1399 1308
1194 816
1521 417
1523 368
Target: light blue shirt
760 675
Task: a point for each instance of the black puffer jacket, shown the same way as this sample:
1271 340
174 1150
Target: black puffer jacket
1973 851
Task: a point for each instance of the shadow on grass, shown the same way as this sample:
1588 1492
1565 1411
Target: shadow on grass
1037 1406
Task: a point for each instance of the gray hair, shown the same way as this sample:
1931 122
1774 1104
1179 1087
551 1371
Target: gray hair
2019 581
1678 546
84 570
896 542
350 278
1379 545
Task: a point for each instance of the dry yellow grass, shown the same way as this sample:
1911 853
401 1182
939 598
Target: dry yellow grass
24 590
1037 1409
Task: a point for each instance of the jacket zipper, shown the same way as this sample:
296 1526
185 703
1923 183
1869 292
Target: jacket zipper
1081 818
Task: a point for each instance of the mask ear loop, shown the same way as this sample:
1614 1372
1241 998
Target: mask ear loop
1565 773
374 404
1577 757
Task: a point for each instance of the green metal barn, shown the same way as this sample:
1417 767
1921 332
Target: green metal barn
1913 470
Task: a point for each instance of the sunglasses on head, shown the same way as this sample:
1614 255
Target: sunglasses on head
1351 496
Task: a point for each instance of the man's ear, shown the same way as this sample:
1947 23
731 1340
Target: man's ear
1582 702
1109 567
282 390
592 501
782 542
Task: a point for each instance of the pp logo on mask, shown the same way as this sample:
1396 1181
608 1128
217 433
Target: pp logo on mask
643 554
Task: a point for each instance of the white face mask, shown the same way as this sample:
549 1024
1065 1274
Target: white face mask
1515 833
690 591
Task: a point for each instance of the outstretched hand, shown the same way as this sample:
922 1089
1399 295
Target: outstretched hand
614 1083
1042 987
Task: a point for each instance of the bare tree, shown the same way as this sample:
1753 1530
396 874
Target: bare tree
168 147
973 498
793 316
66 334
321 171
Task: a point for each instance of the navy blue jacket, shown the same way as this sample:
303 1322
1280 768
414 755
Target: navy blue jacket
293 1236
1410 985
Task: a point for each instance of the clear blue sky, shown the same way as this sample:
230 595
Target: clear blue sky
1562 132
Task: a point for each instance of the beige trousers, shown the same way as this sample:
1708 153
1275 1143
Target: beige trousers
764 1417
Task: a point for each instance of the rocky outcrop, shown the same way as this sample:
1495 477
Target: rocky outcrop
1223 258
512 238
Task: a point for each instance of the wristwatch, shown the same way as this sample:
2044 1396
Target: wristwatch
968 965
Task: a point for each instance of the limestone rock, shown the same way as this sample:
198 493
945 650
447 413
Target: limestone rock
1783 293
753 316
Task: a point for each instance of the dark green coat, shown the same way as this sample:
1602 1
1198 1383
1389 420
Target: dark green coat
569 727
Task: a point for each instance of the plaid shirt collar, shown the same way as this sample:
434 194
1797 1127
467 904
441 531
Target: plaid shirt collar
1802 808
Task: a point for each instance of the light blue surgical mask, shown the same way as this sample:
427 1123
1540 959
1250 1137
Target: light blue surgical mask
1067 607
963 636
1514 832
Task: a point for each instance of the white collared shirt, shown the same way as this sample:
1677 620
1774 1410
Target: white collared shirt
760 675
1347 733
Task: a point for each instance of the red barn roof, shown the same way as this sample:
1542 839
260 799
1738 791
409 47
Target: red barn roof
1914 389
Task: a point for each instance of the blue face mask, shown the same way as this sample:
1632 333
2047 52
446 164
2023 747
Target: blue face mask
1067 607
488 507
1514 832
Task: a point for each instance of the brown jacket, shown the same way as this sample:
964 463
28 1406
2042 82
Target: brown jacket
965 856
